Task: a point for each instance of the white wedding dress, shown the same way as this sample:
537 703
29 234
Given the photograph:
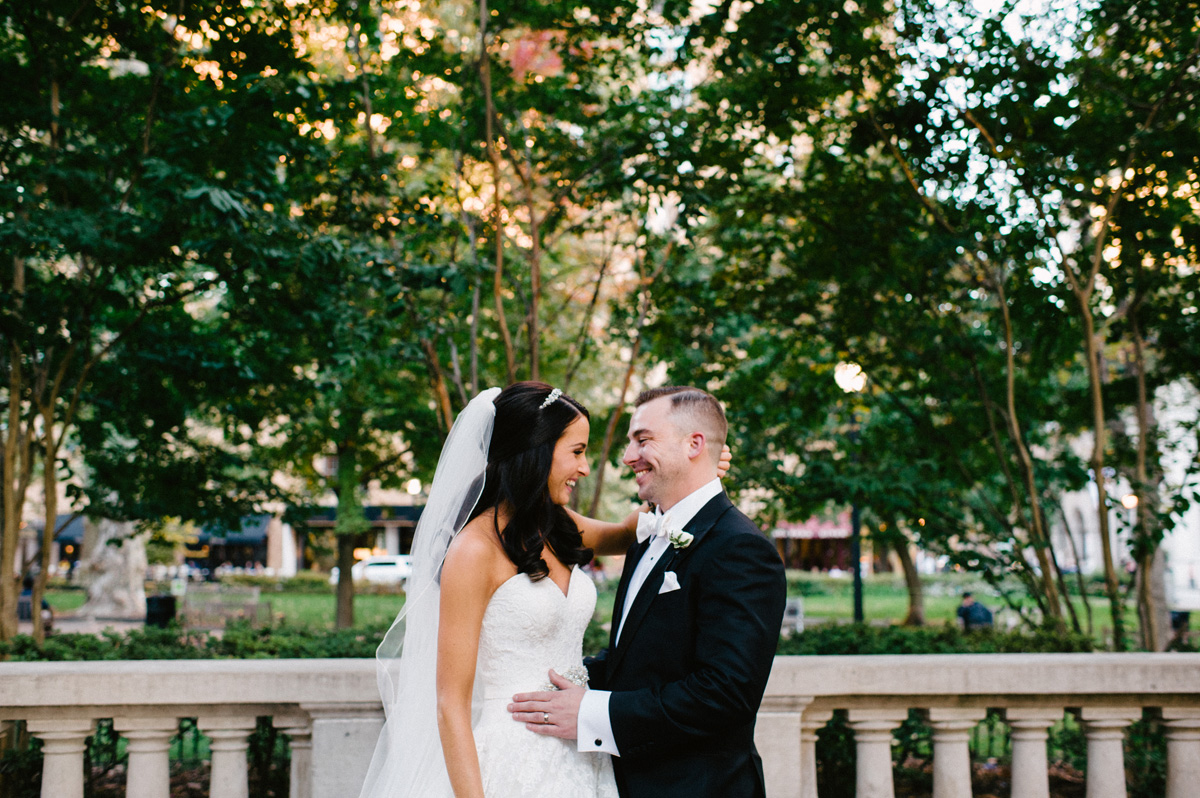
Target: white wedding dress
528 628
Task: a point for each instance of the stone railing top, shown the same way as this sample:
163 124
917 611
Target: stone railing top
1000 679
192 682
843 681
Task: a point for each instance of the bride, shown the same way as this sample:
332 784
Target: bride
495 601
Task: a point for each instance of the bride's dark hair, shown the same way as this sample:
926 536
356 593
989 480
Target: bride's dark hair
518 472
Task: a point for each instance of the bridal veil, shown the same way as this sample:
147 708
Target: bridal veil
408 760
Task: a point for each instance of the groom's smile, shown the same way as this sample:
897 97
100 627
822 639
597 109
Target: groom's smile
650 453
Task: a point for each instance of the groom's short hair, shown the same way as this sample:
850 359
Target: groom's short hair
699 407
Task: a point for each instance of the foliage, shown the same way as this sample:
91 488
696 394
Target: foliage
137 182
239 641
845 639
21 770
302 582
946 217
245 642
262 253
595 638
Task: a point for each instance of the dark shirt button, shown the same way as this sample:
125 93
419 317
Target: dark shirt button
599 742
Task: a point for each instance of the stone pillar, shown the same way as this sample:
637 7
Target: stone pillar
951 752
343 740
299 732
228 739
812 722
1030 775
1105 730
1183 750
63 744
873 739
777 738
391 538
148 741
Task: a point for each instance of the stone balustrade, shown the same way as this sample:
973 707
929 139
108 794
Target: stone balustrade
330 712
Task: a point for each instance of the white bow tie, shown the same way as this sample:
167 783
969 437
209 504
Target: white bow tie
653 525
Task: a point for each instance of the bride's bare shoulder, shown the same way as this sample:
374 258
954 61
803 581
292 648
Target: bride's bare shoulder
476 548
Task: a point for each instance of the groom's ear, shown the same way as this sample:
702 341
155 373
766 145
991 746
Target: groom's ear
697 445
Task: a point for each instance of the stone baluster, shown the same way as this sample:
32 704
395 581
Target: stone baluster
811 722
1030 726
1105 731
777 737
1183 750
343 739
298 729
873 740
148 741
951 749
63 744
229 740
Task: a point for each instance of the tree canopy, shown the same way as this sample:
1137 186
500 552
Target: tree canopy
238 240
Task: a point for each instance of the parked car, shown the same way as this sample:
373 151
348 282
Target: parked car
383 569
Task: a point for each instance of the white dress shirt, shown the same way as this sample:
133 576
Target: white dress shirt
595 727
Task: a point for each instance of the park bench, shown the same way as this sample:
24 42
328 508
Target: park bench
214 606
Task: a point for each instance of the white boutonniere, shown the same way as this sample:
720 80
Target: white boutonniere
680 539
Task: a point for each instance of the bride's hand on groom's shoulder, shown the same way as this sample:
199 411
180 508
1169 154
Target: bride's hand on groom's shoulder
631 521
725 462
555 713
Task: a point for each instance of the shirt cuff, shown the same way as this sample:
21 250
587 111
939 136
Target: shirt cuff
595 733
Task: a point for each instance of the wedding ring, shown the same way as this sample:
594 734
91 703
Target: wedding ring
545 717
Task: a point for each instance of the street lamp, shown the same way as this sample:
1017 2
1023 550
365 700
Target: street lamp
852 379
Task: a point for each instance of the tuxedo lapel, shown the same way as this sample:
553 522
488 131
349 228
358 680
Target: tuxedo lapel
632 558
704 521
698 527
641 605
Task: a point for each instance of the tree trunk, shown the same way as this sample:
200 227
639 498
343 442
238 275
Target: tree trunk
1037 532
1087 605
485 76
1154 618
912 581
50 481
475 339
1062 584
1112 586
11 504
438 380
349 527
535 290
610 431
16 461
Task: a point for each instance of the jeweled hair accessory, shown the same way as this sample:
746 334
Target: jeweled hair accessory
551 399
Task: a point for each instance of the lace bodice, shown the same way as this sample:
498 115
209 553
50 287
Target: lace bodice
530 627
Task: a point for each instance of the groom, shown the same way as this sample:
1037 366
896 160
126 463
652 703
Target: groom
697 615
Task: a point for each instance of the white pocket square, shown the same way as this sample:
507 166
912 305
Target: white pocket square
670 582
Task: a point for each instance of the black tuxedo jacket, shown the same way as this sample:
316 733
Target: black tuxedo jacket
689 673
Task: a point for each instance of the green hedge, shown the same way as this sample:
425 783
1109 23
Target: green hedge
239 641
947 639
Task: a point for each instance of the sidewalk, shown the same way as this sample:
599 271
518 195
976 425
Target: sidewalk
71 624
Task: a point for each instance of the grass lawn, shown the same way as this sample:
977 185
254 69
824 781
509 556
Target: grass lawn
826 599
885 600
314 610
317 609
65 600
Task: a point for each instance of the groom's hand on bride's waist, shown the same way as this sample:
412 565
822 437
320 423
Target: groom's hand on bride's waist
555 713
